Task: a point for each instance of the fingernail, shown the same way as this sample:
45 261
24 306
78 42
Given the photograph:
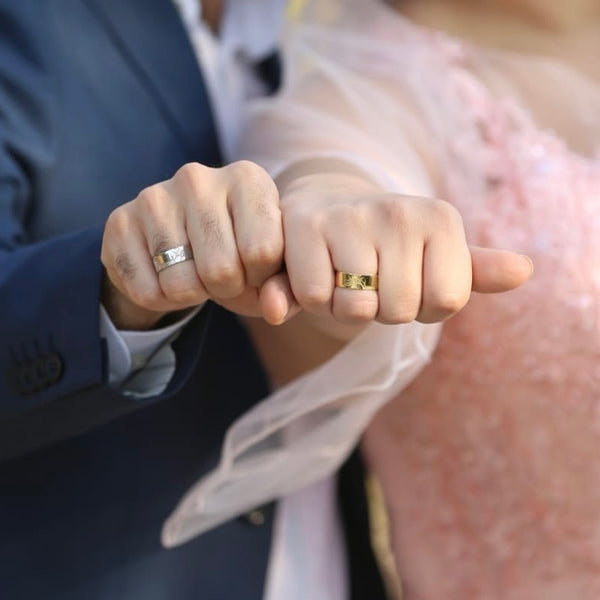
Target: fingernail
529 261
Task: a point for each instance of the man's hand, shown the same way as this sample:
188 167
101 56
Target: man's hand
231 219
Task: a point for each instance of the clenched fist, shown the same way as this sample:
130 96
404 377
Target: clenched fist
230 219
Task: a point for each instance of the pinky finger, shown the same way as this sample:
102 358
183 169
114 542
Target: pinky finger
276 300
133 273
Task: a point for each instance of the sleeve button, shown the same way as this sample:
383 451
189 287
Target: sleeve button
53 367
257 517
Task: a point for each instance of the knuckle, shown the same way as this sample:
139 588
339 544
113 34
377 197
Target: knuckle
152 199
246 170
159 212
261 254
106 257
395 211
212 232
194 178
161 240
448 303
110 240
125 266
446 215
257 184
117 223
268 212
226 276
191 172
114 253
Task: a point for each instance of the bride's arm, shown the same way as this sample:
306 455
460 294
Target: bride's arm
354 200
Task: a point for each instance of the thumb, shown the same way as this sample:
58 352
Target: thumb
276 300
498 270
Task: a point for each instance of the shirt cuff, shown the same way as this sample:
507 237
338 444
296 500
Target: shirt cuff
130 351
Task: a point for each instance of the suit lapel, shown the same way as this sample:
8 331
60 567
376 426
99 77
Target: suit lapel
150 36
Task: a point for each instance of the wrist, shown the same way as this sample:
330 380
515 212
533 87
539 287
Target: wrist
325 176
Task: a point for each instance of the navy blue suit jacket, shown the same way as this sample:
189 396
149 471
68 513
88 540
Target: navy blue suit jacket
99 99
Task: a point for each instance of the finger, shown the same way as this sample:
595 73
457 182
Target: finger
213 241
276 299
400 279
162 215
498 270
309 267
446 276
354 254
254 204
130 269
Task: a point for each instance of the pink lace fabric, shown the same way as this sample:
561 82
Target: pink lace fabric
497 443
491 457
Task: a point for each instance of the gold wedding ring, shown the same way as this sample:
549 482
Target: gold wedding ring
172 256
354 281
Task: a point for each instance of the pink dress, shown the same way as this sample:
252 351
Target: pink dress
497 443
490 458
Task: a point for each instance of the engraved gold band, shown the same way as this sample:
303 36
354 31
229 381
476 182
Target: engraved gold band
172 256
354 281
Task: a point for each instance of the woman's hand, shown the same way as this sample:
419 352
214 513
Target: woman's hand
340 222
416 246
229 217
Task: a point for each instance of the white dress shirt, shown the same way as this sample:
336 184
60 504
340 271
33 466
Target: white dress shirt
307 556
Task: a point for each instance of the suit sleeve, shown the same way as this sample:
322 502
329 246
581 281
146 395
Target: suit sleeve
52 359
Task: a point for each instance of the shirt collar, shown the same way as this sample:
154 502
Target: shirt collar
249 27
